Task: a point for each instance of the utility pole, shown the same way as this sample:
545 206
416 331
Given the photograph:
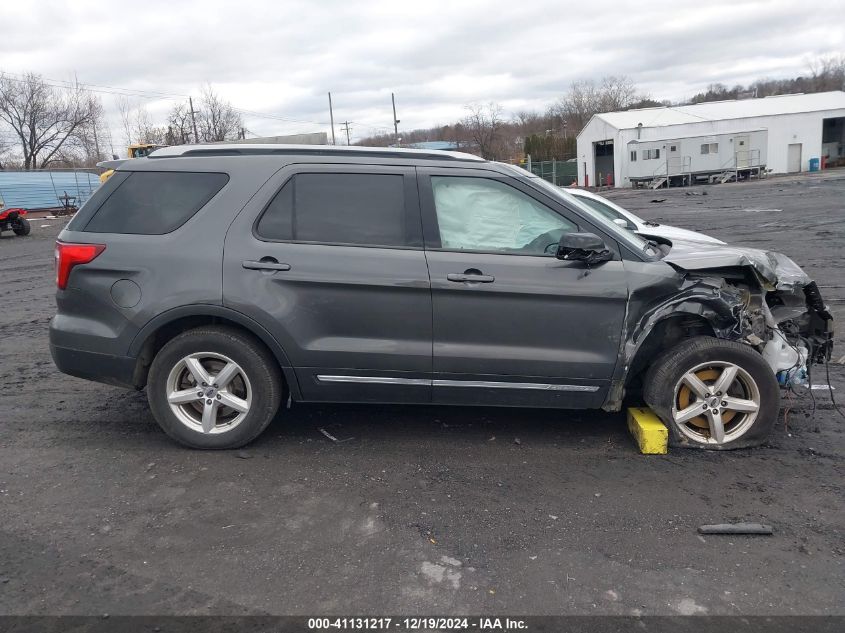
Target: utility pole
331 116
193 120
395 120
96 142
345 127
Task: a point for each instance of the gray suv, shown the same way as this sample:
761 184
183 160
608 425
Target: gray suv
229 279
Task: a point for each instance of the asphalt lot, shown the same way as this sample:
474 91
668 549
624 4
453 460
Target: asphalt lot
419 509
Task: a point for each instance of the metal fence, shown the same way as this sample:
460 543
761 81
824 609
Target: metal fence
558 172
47 189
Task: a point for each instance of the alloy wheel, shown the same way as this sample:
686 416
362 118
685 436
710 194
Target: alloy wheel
208 392
715 402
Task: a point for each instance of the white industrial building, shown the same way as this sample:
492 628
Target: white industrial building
713 142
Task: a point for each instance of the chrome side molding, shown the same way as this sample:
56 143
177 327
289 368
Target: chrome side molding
376 380
487 384
478 384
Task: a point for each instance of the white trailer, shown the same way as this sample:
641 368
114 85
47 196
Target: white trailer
699 158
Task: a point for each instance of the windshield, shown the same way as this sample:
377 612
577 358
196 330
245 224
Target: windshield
630 239
608 212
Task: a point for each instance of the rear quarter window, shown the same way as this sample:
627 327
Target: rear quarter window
154 203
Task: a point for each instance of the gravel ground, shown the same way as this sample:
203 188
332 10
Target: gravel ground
418 509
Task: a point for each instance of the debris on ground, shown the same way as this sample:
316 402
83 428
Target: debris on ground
328 435
736 528
659 200
332 437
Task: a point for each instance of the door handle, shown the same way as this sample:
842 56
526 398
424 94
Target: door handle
477 278
267 263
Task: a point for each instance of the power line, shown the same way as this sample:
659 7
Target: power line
158 95
278 117
127 92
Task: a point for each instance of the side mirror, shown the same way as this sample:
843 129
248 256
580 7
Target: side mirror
583 247
622 222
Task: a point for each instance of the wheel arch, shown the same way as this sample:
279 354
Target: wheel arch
162 328
667 332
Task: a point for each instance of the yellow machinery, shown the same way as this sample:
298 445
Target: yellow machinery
136 150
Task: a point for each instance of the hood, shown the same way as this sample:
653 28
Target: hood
673 233
775 268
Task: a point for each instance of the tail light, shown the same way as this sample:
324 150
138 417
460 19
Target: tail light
70 255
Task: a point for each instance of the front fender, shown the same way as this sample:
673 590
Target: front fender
661 297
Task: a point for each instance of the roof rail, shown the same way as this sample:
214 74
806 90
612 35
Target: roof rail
265 149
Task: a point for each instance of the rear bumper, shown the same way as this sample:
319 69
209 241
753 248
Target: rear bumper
111 370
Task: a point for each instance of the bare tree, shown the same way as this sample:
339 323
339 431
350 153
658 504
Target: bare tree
586 98
125 110
528 122
218 120
179 127
146 131
138 126
828 73
483 125
4 154
617 92
579 104
91 138
42 118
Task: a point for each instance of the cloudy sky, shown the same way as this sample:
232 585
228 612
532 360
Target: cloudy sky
276 60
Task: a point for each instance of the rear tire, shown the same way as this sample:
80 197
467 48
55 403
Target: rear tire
214 387
21 227
713 394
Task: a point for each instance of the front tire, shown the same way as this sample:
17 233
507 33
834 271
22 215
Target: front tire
21 227
214 387
713 394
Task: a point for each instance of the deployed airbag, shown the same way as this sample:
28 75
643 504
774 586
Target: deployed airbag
483 214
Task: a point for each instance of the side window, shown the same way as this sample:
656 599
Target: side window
359 209
154 202
482 214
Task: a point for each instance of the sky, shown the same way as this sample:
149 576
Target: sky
277 60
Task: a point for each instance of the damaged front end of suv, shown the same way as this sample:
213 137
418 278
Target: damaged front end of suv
761 299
